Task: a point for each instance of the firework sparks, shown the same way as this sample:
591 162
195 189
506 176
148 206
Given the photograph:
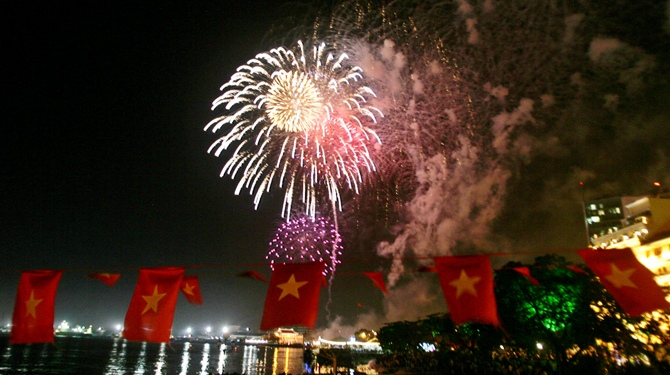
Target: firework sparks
298 121
306 239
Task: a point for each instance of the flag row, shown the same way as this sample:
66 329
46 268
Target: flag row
294 289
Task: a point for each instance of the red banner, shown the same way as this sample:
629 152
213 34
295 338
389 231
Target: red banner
467 285
190 287
630 283
377 279
293 295
107 278
151 310
33 318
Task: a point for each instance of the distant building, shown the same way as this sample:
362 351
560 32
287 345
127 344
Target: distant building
639 223
284 336
246 337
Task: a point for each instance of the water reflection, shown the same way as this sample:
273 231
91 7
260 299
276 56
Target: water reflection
185 358
222 359
44 356
274 362
249 359
5 358
204 363
160 362
117 358
286 360
141 360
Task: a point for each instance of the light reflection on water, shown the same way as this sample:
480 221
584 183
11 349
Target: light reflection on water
161 359
249 359
114 356
117 359
184 359
139 367
222 359
204 363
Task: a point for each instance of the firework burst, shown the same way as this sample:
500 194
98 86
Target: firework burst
298 121
306 239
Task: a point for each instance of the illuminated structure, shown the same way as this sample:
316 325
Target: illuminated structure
639 223
285 336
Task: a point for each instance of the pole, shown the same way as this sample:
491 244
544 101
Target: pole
586 223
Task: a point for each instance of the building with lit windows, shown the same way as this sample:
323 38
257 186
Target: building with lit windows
285 336
639 223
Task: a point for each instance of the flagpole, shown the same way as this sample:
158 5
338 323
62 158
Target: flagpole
586 223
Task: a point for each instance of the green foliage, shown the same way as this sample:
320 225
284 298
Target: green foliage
407 336
569 311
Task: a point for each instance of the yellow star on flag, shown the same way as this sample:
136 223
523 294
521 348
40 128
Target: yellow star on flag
620 278
188 289
290 287
465 284
31 304
152 300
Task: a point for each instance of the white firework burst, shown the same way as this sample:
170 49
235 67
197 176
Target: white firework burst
297 121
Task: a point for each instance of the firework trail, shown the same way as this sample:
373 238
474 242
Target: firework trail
297 119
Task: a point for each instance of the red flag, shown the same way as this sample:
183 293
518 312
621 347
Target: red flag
377 279
293 295
190 287
107 278
629 282
467 285
252 275
574 268
525 272
151 310
33 318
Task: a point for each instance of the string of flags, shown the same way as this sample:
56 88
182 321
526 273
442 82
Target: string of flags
294 289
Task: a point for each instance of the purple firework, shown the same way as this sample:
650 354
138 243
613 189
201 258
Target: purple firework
306 239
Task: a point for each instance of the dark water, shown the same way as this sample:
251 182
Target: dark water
100 355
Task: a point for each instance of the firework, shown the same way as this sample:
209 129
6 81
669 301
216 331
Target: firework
297 121
306 239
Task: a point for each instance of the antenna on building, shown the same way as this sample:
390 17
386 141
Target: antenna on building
586 224
658 191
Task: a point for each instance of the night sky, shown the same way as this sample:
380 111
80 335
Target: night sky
105 162
105 165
